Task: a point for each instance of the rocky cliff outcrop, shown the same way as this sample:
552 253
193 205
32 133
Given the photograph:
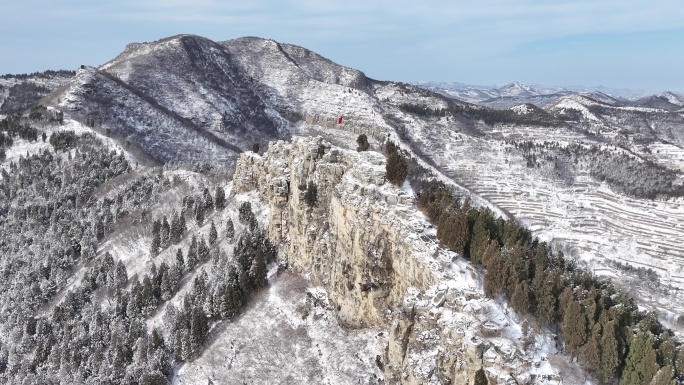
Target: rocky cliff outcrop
364 241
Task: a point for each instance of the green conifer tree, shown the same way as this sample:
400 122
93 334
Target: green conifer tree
213 234
610 358
480 236
192 259
230 230
640 364
220 198
574 326
180 262
591 351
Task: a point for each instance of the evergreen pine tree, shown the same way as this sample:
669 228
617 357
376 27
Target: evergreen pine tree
165 285
174 278
192 260
480 236
564 300
213 234
495 265
574 326
640 364
258 271
99 229
199 214
679 361
520 301
148 301
220 198
202 250
155 244
245 213
180 263
664 376
199 328
591 351
207 200
176 233
546 288
396 169
165 233
120 275
667 351
177 345
230 230
181 224
610 357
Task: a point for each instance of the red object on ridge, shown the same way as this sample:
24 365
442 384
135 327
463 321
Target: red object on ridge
339 120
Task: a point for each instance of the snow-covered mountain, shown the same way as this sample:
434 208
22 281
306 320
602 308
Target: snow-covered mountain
364 290
19 92
666 101
610 117
494 95
516 93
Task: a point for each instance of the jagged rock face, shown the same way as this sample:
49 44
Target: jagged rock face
353 240
359 242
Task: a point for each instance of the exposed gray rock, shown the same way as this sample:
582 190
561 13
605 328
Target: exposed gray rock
360 243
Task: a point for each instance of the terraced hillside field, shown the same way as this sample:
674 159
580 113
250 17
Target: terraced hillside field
609 232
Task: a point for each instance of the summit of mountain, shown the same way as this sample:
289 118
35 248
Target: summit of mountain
668 101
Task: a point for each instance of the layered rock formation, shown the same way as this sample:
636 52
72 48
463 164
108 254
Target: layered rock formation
367 244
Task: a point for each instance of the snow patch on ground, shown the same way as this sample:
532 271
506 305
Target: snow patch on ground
522 109
287 334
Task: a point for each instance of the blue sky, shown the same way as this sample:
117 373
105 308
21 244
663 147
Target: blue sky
615 43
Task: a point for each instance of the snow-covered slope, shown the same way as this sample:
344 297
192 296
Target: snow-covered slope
173 98
500 96
643 121
516 89
187 98
19 92
305 86
666 101
289 334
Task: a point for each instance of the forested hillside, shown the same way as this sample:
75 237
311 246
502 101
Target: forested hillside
71 312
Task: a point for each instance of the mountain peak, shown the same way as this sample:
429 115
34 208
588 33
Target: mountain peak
517 89
672 98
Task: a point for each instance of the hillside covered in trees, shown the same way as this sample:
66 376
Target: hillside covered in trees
72 313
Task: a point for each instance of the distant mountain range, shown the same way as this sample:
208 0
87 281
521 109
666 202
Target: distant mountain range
516 93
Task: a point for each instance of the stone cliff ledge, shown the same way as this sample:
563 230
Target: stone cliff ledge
369 246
